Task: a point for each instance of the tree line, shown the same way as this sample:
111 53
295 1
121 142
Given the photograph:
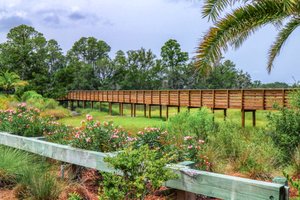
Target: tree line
87 65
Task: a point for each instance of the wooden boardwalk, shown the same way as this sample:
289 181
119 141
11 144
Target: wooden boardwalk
247 100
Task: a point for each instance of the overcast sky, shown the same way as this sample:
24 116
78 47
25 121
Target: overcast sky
132 24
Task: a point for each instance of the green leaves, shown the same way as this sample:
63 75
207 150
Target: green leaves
142 174
236 27
281 38
10 81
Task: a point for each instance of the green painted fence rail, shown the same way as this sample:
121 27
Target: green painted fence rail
190 180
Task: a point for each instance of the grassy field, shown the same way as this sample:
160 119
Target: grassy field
137 123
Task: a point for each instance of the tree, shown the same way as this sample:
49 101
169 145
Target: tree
225 75
258 84
88 50
10 81
54 58
236 27
140 70
24 52
174 61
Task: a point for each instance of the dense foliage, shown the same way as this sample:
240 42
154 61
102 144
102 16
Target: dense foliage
285 126
245 18
28 61
142 173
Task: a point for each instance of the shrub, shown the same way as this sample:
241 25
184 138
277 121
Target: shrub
142 174
198 124
285 126
155 138
22 121
93 135
56 113
6 101
184 148
36 100
31 95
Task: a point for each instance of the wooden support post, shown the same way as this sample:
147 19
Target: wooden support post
145 110
189 109
178 109
120 109
254 118
160 111
134 110
100 106
72 105
92 105
77 103
225 114
131 110
243 118
110 108
149 116
167 112
84 104
183 195
68 105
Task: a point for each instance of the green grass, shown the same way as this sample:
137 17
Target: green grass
134 124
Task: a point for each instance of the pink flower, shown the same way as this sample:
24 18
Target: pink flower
190 146
22 104
188 138
114 136
89 117
77 135
88 140
201 141
130 139
141 133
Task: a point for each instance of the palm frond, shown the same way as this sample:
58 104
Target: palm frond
213 8
236 27
281 38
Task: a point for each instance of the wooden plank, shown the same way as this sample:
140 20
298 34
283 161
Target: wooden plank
90 159
224 186
250 99
190 180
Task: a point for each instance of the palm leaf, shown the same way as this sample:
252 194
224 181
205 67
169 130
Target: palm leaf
213 8
236 27
280 40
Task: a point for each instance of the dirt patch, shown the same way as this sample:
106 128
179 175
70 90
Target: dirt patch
6 194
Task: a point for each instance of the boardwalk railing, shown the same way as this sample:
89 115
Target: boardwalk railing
190 180
248 100
252 99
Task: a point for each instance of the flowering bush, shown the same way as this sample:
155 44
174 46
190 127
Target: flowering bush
184 148
22 121
153 137
192 150
93 135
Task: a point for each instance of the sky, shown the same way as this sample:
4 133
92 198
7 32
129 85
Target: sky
132 24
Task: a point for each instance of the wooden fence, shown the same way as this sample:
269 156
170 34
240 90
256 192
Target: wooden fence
189 182
247 100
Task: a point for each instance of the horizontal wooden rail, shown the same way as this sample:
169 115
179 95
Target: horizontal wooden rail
246 99
190 180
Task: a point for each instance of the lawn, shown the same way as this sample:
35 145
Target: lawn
134 124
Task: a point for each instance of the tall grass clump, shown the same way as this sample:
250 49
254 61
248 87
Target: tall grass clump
28 173
249 151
